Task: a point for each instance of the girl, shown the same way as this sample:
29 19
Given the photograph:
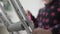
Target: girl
48 17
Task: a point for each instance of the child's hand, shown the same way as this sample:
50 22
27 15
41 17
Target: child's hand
41 31
29 15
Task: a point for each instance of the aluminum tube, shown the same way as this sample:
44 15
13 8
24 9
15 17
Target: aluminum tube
15 27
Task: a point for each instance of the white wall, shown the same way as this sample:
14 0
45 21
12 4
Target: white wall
32 5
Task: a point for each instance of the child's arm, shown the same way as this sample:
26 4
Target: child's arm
31 17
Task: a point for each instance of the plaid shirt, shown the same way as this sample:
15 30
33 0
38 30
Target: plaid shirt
49 17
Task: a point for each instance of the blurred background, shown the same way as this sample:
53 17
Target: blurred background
32 5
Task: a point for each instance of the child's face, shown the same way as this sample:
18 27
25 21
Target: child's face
47 1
